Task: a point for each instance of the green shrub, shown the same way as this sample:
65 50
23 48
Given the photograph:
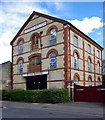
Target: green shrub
32 96
54 96
19 95
40 96
6 95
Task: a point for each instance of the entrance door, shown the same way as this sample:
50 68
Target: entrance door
36 82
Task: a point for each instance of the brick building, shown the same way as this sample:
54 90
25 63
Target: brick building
103 67
48 52
5 75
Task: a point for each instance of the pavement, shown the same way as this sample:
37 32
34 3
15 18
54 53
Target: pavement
38 110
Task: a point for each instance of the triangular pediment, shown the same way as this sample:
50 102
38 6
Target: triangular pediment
36 20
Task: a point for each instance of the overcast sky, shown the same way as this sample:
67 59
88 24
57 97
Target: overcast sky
86 16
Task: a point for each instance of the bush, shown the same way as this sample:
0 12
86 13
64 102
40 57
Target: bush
19 95
6 95
40 96
54 96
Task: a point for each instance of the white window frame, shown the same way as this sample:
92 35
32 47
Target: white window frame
52 36
52 60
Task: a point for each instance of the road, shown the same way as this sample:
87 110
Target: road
37 110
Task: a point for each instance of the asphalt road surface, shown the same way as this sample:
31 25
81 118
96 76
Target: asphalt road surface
72 110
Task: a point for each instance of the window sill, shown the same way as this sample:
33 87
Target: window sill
19 73
33 50
20 53
89 53
90 71
51 69
76 46
52 45
76 69
98 73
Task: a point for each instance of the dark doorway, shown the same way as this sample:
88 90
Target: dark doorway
36 82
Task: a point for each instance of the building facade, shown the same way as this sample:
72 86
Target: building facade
5 75
103 67
48 52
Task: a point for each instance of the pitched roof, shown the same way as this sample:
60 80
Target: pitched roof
6 62
64 22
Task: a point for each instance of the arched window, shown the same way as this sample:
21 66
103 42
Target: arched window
89 48
76 79
76 41
20 66
52 60
89 65
90 81
34 63
98 67
76 65
52 36
98 81
35 41
20 47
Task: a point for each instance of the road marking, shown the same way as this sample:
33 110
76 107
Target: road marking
35 103
4 107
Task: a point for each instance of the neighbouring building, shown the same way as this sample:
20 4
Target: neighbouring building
5 75
103 67
103 71
48 52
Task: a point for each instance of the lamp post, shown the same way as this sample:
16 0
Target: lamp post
70 89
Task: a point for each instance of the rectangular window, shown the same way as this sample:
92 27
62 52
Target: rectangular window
89 48
76 41
98 54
